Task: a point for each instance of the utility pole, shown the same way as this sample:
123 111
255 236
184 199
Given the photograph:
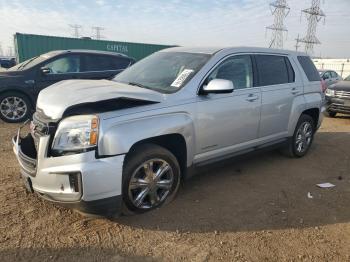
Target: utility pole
279 10
76 29
1 51
314 14
98 30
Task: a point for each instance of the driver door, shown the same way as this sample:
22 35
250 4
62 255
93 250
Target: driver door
227 123
61 68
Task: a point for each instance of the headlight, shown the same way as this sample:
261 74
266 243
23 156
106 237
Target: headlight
76 133
330 92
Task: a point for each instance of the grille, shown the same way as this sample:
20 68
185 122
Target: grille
342 94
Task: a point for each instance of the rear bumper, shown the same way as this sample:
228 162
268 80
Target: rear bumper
79 181
338 105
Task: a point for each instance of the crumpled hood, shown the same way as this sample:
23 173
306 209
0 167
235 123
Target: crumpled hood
55 99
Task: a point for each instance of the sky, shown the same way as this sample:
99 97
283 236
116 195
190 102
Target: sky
176 22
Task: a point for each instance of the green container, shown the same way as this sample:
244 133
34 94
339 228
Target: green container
28 46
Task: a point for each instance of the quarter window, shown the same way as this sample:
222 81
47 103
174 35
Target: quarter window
274 70
309 68
68 64
237 69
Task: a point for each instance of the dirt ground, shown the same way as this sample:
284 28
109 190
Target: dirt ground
253 209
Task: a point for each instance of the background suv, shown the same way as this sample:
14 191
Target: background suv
125 145
338 98
21 84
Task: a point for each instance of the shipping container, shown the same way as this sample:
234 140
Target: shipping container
28 46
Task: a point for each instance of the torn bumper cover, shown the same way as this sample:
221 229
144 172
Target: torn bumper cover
79 181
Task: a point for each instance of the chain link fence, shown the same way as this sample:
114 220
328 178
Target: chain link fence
342 67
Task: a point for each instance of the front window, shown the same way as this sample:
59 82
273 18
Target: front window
165 72
68 64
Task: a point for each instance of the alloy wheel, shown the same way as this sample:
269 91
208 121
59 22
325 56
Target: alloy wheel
13 108
303 137
151 183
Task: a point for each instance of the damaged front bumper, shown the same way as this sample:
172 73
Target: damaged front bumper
80 181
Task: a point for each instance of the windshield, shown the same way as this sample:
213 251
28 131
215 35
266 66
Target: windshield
347 78
29 63
165 72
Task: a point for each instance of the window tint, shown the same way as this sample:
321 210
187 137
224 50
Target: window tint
103 63
309 68
327 75
237 69
273 70
291 73
334 74
68 64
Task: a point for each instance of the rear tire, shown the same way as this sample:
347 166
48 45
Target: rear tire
301 141
151 178
14 107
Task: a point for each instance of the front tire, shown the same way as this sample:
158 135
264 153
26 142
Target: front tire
300 143
14 107
151 178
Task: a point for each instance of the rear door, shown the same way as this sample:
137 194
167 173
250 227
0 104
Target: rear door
278 88
59 68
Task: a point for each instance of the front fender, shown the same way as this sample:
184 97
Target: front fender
118 138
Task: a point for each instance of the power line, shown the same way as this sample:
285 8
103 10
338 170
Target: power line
280 10
314 14
76 29
98 30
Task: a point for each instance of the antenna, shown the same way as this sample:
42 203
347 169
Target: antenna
279 10
98 30
76 30
314 14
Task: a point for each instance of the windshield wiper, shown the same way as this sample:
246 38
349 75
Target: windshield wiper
138 84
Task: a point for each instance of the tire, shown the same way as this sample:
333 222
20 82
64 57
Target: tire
142 190
331 113
293 148
14 107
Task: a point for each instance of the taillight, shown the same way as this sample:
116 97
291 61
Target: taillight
323 86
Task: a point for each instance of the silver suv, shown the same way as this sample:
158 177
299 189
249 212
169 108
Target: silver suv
124 145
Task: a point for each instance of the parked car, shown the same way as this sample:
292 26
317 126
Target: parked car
125 144
329 76
21 84
338 98
7 62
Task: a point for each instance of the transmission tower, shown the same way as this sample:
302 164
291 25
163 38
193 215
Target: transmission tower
314 14
1 51
280 10
98 30
76 29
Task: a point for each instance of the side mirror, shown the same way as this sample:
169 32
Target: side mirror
45 70
325 77
218 86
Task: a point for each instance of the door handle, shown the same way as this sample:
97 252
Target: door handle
295 91
252 98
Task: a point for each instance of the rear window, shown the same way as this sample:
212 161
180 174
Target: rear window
103 63
309 68
274 70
